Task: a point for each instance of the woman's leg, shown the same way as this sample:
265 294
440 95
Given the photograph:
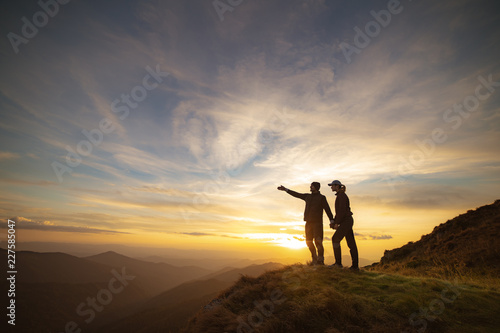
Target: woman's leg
351 242
337 251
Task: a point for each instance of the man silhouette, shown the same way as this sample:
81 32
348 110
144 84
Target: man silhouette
313 215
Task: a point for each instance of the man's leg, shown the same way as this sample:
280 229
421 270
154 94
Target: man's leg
310 243
318 240
312 248
321 250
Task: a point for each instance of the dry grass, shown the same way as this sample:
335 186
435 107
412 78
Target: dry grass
322 299
464 248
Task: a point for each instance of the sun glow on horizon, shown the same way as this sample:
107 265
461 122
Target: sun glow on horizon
290 241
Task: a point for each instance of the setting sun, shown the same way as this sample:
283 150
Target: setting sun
291 242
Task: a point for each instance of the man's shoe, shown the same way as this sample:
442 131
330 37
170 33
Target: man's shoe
354 268
320 263
336 266
313 262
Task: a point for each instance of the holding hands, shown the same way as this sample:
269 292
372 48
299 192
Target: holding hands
333 225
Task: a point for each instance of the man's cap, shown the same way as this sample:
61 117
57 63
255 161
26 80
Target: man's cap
335 182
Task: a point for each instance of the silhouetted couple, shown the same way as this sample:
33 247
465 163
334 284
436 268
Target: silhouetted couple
342 223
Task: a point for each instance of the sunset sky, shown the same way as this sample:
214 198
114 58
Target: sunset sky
171 123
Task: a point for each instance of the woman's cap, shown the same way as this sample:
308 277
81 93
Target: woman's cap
335 182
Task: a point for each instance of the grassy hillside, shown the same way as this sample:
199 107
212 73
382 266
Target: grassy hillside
448 281
465 247
233 274
321 299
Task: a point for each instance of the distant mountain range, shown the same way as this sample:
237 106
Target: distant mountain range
54 289
215 263
170 311
153 278
204 258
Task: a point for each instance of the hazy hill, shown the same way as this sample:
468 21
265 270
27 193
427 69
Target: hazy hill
209 263
219 264
321 299
57 267
47 307
51 286
170 311
151 277
466 246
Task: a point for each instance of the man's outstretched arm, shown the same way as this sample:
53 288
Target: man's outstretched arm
293 193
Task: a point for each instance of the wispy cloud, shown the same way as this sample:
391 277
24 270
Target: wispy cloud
28 224
372 237
27 182
197 234
4 155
